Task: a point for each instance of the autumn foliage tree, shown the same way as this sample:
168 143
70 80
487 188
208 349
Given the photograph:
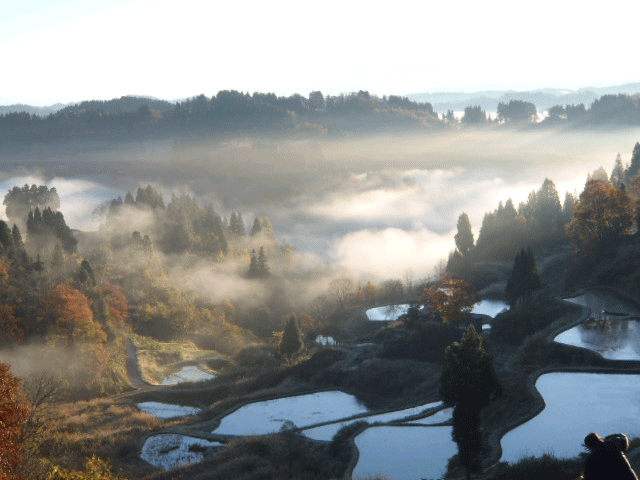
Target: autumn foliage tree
603 213
13 414
452 297
70 315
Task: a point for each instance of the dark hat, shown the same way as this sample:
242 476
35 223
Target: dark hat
593 440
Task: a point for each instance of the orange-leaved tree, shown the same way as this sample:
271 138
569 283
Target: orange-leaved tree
116 301
71 316
13 414
603 213
452 297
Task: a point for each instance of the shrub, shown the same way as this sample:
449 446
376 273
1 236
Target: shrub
517 323
425 341
548 467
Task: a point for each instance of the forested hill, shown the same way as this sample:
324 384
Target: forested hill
231 111
228 111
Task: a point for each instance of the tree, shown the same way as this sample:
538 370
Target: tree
468 383
340 289
524 277
13 414
452 297
236 225
474 115
291 342
603 213
21 200
516 111
316 100
263 267
464 237
634 166
70 316
617 174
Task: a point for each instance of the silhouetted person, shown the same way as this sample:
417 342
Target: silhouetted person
607 460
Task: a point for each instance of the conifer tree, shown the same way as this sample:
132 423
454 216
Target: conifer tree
263 267
255 230
634 165
464 237
524 277
291 342
617 174
468 383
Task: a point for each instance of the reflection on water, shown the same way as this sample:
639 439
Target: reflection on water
404 453
387 313
576 404
605 332
599 301
260 418
171 450
327 432
188 374
489 307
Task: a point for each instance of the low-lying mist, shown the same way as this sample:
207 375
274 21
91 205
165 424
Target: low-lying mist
378 206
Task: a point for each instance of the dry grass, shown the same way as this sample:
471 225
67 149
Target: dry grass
106 428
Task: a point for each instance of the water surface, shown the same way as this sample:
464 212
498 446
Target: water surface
188 374
489 307
269 416
606 332
576 404
404 453
165 410
388 313
171 450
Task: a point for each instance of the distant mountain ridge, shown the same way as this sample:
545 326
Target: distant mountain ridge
42 111
543 98
126 104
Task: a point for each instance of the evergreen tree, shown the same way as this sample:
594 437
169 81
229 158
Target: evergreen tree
6 241
253 265
617 174
236 225
57 260
567 207
16 238
524 277
85 274
291 342
464 237
468 383
634 165
263 267
257 228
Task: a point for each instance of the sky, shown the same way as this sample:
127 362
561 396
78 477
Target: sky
71 50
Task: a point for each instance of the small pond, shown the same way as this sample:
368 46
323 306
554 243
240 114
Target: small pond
388 313
606 332
576 404
269 416
165 410
404 453
489 307
170 450
188 374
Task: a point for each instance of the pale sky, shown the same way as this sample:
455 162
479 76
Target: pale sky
72 50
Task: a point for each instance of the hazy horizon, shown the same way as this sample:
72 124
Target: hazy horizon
72 50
